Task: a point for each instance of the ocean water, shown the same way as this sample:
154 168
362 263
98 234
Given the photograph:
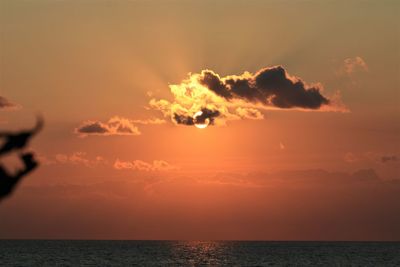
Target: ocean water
196 253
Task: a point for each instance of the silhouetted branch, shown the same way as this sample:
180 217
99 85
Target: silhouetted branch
19 140
14 142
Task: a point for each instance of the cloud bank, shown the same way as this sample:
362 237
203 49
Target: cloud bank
241 96
317 204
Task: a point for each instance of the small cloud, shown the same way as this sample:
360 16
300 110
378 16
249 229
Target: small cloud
93 127
372 157
350 157
79 158
389 158
42 159
140 165
115 126
281 146
206 115
5 104
354 65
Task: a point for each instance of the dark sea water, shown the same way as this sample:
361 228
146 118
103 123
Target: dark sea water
193 253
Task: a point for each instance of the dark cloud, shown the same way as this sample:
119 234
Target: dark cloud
115 126
93 128
206 114
183 119
389 158
269 86
213 82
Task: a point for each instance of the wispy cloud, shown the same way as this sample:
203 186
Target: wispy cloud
77 158
372 157
114 126
153 121
140 165
83 159
389 158
353 65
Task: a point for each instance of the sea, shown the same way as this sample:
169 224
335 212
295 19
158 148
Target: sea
196 253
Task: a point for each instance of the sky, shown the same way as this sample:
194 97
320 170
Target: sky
204 120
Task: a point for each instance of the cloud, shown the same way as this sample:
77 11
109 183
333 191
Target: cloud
115 126
322 205
269 86
242 96
93 128
389 158
78 158
81 158
281 146
350 157
5 104
154 121
306 177
140 165
183 119
373 157
249 113
204 116
353 65
320 175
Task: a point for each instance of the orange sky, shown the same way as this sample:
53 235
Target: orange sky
114 165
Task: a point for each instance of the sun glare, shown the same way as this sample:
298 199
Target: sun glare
201 124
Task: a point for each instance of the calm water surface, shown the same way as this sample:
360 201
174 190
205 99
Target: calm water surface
188 253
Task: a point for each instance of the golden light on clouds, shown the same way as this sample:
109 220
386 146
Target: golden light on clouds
117 82
234 97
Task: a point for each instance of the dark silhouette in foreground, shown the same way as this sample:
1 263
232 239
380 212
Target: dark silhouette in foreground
8 182
14 142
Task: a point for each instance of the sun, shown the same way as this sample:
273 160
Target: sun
200 122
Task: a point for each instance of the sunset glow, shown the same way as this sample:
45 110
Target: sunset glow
202 120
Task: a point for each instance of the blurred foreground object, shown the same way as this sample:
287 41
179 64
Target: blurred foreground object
17 141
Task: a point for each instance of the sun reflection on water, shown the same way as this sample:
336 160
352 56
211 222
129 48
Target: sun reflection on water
200 252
